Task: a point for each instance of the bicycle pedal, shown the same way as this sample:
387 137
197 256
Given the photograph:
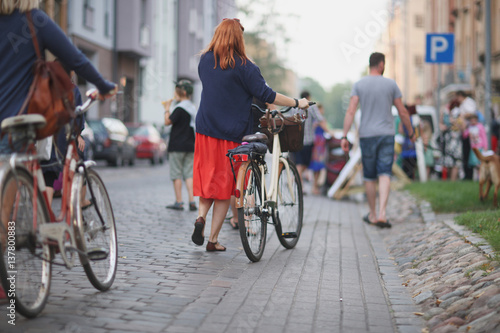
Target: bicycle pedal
289 235
98 253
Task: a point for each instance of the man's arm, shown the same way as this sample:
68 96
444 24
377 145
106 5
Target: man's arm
405 118
349 118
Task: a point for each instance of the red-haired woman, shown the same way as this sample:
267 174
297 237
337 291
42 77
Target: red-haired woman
230 80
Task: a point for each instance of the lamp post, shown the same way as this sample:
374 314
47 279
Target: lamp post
487 69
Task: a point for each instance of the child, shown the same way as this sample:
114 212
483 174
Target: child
477 135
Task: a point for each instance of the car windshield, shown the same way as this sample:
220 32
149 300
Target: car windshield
142 131
97 126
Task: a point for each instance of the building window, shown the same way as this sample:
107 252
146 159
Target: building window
143 12
106 18
419 21
88 14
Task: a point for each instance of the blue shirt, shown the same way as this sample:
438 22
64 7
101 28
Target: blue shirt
226 98
17 57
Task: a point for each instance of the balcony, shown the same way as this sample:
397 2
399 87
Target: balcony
133 36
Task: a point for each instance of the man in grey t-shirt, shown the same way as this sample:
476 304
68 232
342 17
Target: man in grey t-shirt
376 95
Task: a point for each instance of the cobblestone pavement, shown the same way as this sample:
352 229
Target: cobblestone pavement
451 273
339 278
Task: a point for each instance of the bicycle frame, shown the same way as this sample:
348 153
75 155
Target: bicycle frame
278 161
61 229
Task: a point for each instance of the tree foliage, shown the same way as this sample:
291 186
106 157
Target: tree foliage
335 100
264 33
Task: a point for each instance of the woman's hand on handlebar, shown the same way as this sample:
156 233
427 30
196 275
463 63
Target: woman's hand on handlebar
109 94
303 103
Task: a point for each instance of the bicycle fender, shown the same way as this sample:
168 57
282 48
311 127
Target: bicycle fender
239 184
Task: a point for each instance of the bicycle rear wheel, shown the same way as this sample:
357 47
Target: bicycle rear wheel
96 231
289 210
252 224
25 266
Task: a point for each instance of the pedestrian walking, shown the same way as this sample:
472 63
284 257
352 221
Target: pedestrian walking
467 107
303 157
181 144
476 133
451 125
408 150
230 80
376 95
319 153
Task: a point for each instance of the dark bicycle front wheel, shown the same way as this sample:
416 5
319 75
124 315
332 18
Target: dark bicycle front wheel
25 263
251 222
95 230
288 214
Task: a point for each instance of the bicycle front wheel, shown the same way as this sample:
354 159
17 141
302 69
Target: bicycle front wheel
25 263
251 222
289 210
96 231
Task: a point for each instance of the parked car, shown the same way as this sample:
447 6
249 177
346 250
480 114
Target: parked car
112 142
150 144
88 135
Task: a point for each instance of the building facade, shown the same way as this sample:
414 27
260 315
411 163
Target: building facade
181 30
466 20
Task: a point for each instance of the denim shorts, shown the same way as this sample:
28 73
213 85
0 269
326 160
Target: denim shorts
303 156
377 156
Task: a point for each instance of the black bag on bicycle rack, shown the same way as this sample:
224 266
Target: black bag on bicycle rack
290 129
247 149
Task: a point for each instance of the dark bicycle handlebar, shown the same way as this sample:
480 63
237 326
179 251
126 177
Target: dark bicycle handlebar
288 108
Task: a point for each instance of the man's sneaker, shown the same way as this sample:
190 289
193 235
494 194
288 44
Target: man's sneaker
176 206
192 206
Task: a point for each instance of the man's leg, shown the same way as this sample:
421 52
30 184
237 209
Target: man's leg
371 196
178 190
385 160
189 187
384 188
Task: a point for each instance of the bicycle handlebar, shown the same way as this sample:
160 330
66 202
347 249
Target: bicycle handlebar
92 97
288 108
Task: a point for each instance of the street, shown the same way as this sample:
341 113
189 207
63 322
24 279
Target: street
329 283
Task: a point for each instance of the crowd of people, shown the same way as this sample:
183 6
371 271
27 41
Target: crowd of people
461 130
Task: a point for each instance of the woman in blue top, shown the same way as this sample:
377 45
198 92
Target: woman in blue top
230 80
17 54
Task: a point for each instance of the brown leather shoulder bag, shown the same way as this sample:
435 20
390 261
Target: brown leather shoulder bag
51 93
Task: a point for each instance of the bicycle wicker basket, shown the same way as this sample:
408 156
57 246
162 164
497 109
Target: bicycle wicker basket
291 134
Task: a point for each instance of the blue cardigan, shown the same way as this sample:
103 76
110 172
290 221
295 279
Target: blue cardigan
17 56
226 98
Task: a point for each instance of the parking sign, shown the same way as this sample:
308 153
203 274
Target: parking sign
440 48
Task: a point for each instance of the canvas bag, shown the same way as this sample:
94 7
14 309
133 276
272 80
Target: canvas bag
50 94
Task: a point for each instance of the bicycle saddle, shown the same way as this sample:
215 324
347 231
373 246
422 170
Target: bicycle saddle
17 122
256 137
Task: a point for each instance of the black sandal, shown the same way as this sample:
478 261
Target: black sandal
197 236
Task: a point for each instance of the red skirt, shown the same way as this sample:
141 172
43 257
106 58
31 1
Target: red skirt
212 175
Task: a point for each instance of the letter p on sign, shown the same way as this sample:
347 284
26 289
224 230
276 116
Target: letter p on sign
440 48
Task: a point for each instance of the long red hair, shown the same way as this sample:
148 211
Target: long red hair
227 42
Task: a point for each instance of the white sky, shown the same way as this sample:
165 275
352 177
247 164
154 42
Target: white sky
331 40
